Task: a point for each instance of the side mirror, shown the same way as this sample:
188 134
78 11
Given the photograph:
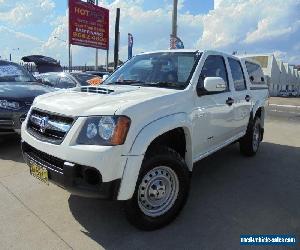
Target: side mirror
214 84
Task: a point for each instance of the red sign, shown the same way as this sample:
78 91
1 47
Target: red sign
88 25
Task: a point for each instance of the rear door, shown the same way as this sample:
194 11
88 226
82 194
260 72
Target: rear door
242 96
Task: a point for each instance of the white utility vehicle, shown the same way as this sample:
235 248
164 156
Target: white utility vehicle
136 137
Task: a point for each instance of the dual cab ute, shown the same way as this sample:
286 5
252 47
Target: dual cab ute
136 137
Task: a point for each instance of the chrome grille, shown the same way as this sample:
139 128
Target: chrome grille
49 127
6 122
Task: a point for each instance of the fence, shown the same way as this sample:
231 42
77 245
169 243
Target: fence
32 68
29 66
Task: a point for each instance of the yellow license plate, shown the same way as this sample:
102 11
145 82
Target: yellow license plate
39 172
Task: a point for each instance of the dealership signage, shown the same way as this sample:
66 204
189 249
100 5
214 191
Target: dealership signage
88 25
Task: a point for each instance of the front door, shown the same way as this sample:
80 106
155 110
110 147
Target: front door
213 113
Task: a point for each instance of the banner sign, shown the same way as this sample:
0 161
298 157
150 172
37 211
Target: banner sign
176 43
130 45
88 25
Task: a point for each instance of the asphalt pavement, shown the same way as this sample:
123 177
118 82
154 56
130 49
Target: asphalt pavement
230 195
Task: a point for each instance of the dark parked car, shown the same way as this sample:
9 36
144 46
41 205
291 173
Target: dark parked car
102 74
18 88
68 80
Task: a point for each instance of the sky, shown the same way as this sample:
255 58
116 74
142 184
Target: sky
247 26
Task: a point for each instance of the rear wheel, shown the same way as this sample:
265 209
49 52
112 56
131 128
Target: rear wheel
161 190
249 144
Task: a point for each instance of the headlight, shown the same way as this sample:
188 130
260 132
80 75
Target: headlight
9 105
107 127
104 130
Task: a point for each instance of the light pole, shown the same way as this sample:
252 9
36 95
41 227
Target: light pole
10 58
70 51
174 18
96 63
69 42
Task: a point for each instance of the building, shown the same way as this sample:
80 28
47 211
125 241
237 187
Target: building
283 76
297 80
289 76
293 79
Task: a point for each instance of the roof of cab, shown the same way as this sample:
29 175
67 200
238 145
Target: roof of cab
173 51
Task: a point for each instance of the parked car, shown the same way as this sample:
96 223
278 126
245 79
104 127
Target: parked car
293 93
68 80
296 93
136 137
283 93
102 74
18 88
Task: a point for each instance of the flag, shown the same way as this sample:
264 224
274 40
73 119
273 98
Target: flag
130 45
176 43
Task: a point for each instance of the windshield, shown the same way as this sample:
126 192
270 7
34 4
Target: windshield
10 72
165 70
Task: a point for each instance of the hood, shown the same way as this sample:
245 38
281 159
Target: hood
26 91
44 64
106 102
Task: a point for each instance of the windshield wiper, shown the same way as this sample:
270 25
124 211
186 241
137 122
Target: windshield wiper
127 82
164 85
148 84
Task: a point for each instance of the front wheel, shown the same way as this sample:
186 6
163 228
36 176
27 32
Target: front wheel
161 190
249 144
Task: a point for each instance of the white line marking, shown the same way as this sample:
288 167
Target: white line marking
279 111
285 106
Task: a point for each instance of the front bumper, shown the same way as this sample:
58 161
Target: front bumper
11 121
77 179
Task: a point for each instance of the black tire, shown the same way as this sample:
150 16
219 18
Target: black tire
159 156
247 143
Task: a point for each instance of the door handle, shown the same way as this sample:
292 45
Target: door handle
248 98
229 101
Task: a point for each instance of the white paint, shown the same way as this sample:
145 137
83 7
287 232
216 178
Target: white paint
208 122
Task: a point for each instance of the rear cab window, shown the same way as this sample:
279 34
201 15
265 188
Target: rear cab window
255 73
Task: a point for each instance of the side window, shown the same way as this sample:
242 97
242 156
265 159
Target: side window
214 66
255 73
49 80
65 83
237 74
